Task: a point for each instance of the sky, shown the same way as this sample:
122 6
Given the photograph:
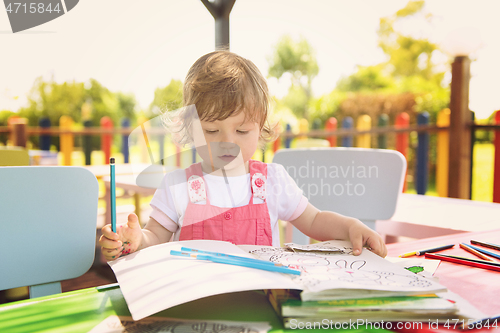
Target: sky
138 46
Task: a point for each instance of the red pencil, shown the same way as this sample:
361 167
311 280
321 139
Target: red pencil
462 262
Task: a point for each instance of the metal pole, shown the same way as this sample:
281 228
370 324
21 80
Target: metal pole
220 10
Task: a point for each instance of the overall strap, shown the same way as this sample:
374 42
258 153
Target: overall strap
258 179
196 170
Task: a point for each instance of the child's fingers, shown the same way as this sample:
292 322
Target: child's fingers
108 233
109 244
377 245
379 248
112 254
133 221
357 245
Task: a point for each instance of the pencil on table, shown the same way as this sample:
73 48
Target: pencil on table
464 261
477 253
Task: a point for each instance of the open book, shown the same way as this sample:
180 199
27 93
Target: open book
152 280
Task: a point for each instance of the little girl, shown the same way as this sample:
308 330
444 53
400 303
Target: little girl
228 196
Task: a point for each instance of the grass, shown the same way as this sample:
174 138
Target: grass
482 174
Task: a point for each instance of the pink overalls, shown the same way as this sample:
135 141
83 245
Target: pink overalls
249 225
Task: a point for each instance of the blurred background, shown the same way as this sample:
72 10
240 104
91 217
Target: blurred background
125 61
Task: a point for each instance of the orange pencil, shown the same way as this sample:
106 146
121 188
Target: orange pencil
477 253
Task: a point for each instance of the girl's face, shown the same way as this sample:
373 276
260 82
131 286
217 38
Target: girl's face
230 143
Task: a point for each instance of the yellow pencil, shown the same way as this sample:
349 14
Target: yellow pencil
409 254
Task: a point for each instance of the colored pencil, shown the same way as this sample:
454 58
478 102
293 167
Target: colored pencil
236 262
112 190
485 244
488 266
491 254
422 252
475 252
187 249
480 261
409 254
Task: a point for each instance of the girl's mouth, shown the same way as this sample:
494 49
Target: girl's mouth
227 158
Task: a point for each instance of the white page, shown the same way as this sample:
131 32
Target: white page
152 280
343 270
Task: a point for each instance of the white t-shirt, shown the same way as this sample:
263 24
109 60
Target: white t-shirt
285 200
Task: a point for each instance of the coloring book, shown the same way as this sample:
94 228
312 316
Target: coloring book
152 280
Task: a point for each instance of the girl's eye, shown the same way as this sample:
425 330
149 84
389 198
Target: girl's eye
210 131
242 132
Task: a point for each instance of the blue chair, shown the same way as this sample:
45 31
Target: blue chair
358 182
48 219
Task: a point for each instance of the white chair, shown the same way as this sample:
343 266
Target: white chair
357 182
47 226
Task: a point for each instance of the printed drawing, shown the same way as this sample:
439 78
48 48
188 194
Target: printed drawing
341 266
328 246
114 324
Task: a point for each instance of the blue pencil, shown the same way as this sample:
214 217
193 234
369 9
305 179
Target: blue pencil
112 190
491 254
265 262
236 262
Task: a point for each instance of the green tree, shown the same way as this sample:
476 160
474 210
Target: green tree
367 78
167 99
298 59
408 55
4 116
53 100
409 67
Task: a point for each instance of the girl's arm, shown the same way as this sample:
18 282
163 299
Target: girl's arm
325 225
154 233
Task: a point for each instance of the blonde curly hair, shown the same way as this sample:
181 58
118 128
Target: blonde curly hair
222 84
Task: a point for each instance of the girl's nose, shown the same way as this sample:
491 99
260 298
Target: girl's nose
227 139
227 144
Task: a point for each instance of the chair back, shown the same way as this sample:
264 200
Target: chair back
48 218
358 182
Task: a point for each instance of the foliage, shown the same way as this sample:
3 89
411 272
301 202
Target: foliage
4 116
53 100
327 105
367 78
410 68
298 59
166 99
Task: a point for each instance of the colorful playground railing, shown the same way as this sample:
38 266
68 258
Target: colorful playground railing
364 135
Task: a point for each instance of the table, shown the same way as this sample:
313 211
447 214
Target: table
80 311
421 216
478 286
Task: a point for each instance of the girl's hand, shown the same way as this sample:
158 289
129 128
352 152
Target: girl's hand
360 235
127 239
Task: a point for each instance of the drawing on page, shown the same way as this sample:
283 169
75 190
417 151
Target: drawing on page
114 324
320 267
